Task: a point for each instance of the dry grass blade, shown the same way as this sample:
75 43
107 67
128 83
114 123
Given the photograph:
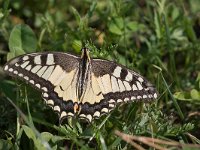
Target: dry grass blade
129 140
152 142
193 138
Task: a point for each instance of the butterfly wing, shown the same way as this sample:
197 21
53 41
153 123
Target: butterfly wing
53 73
110 84
56 75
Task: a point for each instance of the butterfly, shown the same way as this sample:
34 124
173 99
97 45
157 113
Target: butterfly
80 86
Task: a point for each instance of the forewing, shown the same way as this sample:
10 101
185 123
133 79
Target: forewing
55 74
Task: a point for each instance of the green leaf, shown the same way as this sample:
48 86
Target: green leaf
7 87
37 141
76 14
22 40
177 34
29 132
116 26
57 138
46 136
77 45
133 26
194 4
157 25
102 141
198 79
5 144
92 9
180 96
195 94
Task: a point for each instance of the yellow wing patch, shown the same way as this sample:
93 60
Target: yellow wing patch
65 83
93 93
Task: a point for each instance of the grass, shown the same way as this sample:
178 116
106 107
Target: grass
159 39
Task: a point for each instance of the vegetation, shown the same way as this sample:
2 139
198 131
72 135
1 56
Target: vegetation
157 38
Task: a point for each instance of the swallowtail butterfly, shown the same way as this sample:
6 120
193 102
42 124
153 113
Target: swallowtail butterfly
80 86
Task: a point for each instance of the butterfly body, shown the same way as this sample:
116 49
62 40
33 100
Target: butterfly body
80 86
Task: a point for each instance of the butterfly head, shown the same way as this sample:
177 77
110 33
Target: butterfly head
85 53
